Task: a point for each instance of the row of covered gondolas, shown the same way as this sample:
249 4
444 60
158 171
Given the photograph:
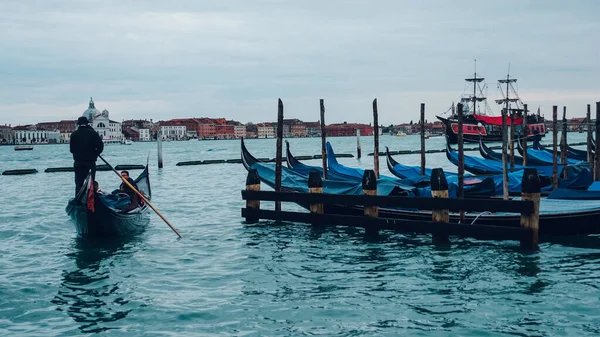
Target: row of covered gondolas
572 208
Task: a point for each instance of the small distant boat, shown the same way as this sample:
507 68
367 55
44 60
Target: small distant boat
127 142
400 134
23 147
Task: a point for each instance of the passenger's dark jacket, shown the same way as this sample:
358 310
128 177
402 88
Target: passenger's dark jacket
86 144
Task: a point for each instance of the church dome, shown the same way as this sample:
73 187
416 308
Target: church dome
91 111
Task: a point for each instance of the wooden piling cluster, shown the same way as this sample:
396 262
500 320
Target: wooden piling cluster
341 210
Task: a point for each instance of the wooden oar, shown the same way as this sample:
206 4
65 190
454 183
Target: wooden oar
141 196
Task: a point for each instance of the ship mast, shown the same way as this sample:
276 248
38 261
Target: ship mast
476 90
506 97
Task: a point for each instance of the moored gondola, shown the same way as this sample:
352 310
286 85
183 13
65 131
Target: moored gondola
544 156
557 217
96 215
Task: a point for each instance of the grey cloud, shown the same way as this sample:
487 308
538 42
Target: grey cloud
235 58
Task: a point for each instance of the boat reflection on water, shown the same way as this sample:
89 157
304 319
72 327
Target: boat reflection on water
97 290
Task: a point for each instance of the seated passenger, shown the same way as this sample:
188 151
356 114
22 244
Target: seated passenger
124 188
97 190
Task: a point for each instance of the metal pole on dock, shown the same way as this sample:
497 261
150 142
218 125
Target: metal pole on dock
375 138
278 155
461 160
588 118
422 122
439 189
563 145
369 186
530 190
323 138
159 147
596 156
512 142
525 132
504 155
252 184
554 147
358 143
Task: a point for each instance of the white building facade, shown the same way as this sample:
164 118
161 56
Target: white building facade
144 135
239 131
65 137
265 131
36 136
173 132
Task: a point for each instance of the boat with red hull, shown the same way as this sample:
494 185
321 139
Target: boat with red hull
478 119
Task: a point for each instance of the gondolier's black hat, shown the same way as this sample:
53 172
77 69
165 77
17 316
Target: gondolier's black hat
82 121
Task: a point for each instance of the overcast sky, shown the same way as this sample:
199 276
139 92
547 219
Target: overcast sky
233 58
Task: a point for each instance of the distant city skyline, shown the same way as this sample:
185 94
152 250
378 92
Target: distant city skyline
156 60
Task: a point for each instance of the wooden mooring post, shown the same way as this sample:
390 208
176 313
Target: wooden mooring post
159 148
525 132
461 160
588 118
375 139
422 123
504 156
278 154
439 189
358 143
554 147
369 187
512 142
596 156
323 138
530 190
563 144
315 185
252 184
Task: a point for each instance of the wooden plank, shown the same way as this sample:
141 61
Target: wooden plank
401 225
453 205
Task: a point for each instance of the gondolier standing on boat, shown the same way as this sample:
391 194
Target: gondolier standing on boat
86 144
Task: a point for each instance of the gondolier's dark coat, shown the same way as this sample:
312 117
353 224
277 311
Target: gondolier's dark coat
86 144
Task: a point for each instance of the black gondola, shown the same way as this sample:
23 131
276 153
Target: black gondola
572 153
104 220
488 153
